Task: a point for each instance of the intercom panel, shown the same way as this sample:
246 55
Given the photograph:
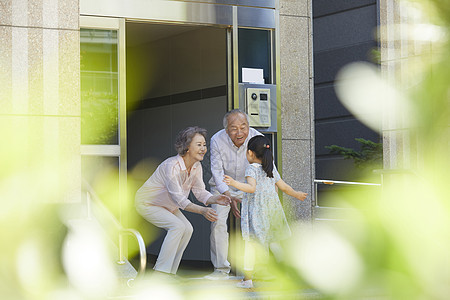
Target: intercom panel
258 107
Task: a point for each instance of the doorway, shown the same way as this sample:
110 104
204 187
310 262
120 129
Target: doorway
176 77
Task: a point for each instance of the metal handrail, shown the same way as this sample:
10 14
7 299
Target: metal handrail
142 251
122 231
332 182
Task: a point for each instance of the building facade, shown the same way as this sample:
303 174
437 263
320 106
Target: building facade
42 94
45 83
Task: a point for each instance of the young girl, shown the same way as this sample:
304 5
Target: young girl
262 217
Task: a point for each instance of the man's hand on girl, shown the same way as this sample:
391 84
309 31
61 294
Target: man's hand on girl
228 180
234 207
234 204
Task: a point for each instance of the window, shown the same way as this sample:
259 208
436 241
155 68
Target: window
254 51
99 87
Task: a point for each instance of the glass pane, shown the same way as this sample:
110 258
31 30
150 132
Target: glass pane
254 51
99 86
102 174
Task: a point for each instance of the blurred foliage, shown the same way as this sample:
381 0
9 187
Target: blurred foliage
400 237
370 155
375 56
390 247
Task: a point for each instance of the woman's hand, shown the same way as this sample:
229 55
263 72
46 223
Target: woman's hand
219 199
228 180
223 200
300 196
209 214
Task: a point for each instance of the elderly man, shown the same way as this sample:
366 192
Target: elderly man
228 157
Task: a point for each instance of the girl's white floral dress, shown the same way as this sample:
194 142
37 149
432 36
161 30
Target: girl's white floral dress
262 216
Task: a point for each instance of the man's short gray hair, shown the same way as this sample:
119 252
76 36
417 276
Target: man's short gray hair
185 136
233 112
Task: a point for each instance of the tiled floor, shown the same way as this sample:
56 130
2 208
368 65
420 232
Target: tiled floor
192 285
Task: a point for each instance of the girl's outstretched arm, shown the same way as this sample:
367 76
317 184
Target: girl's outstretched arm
290 191
248 187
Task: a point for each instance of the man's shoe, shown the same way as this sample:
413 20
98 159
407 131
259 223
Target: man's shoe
217 275
245 284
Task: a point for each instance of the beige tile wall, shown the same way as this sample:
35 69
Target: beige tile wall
297 113
39 90
39 46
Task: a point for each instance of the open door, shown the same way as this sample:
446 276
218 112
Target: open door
103 109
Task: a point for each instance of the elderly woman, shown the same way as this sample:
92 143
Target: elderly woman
160 198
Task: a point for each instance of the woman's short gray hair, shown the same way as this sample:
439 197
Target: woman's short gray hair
185 136
232 112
